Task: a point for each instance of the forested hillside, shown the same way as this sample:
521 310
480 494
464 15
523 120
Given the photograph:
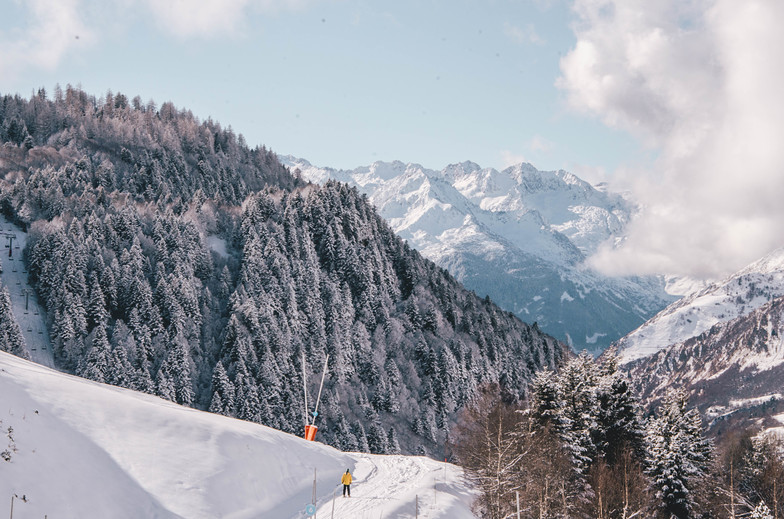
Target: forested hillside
174 259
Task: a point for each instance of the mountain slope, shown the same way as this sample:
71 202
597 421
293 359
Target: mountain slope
721 302
519 235
81 449
171 258
734 371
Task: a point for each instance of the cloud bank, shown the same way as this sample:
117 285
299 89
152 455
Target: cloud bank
701 81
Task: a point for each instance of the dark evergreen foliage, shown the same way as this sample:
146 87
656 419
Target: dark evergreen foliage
173 259
11 338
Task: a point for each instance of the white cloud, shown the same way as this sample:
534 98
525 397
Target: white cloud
509 158
540 144
701 81
591 174
198 18
523 35
52 29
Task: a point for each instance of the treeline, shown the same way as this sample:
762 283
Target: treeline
173 259
581 448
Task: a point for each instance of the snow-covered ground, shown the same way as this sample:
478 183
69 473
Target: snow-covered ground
27 312
79 449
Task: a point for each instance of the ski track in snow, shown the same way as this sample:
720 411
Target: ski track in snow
391 486
24 301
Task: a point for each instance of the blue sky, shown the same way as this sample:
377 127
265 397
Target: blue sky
343 83
677 102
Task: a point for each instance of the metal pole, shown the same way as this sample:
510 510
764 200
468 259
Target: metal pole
323 374
12 506
333 505
518 503
305 386
314 490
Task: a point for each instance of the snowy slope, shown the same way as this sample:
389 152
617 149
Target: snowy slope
519 235
720 302
734 371
27 312
79 449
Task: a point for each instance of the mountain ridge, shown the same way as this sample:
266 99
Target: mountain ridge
719 302
513 228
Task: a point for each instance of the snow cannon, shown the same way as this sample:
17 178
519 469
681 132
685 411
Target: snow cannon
310 423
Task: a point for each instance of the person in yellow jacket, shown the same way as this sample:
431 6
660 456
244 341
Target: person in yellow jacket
346 480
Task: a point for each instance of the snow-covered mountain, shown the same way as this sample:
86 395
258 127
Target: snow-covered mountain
723 343
734 371
721 302
73 448
519 235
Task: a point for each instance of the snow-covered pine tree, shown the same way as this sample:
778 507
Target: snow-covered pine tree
619 425
222 392
99 357
677 454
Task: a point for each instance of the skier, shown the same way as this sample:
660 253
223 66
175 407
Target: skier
346 480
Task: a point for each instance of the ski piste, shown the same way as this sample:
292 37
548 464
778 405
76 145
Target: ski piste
94 450
24 301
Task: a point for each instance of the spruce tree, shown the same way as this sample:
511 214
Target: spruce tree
677 454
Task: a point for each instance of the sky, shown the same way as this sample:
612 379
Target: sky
341 83
675 101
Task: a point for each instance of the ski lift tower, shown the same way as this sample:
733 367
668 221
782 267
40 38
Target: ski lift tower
310 418
10 236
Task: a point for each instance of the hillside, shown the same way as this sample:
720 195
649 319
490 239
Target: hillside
721 302
519 235
171 258
80 449
734 371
